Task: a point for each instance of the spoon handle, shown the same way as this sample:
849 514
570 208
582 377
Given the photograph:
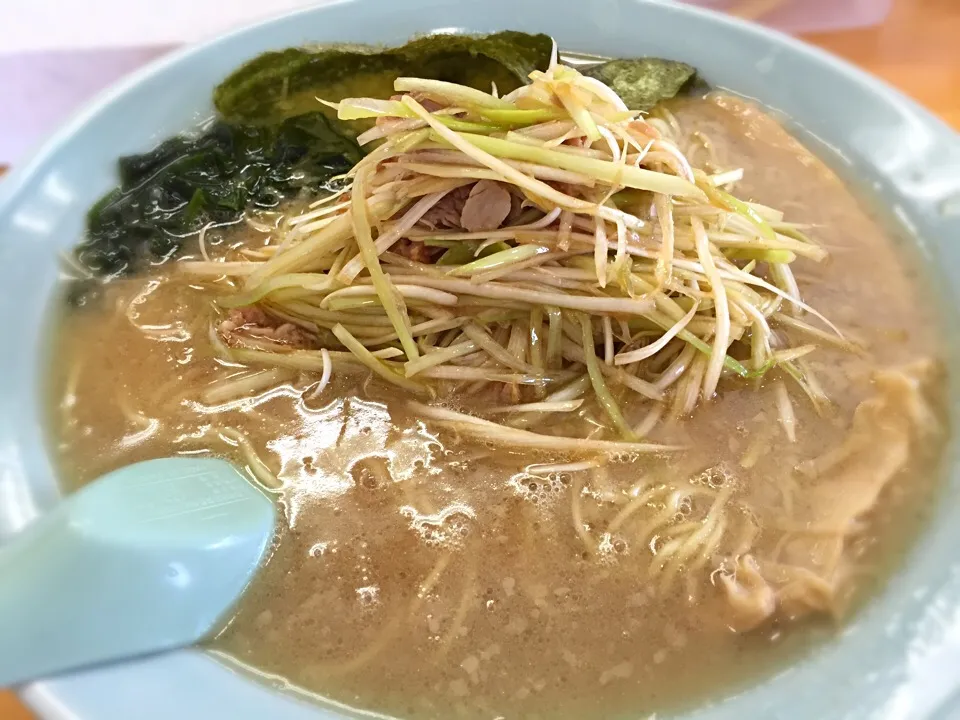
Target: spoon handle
45 597
147 558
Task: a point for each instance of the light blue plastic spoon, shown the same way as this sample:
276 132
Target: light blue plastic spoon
145 559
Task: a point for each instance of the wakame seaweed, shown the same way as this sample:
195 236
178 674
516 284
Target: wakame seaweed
271 140
643 82
169 193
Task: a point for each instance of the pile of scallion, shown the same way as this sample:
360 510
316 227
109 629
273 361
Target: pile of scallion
620 271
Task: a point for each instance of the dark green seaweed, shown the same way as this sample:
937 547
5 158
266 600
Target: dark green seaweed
644 82
186 182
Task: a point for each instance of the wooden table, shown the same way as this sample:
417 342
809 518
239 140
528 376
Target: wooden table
917 50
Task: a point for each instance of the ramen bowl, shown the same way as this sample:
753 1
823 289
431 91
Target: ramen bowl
893 658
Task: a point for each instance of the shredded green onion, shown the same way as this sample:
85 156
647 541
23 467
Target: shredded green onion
371 361
500 259
604 396
590 217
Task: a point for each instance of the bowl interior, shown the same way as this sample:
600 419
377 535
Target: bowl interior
893 659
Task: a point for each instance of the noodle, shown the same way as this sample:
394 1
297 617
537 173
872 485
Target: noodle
467 598
257 467
577 517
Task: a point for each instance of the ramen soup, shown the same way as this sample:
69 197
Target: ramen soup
571 411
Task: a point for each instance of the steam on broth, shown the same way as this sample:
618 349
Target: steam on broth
594 453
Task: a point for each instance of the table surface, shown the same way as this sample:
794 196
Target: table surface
915 50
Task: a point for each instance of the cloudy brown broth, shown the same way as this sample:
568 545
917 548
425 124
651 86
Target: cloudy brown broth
419 574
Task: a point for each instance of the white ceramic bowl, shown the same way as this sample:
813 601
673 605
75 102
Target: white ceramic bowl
899 658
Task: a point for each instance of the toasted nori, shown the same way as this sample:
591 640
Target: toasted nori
643 82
